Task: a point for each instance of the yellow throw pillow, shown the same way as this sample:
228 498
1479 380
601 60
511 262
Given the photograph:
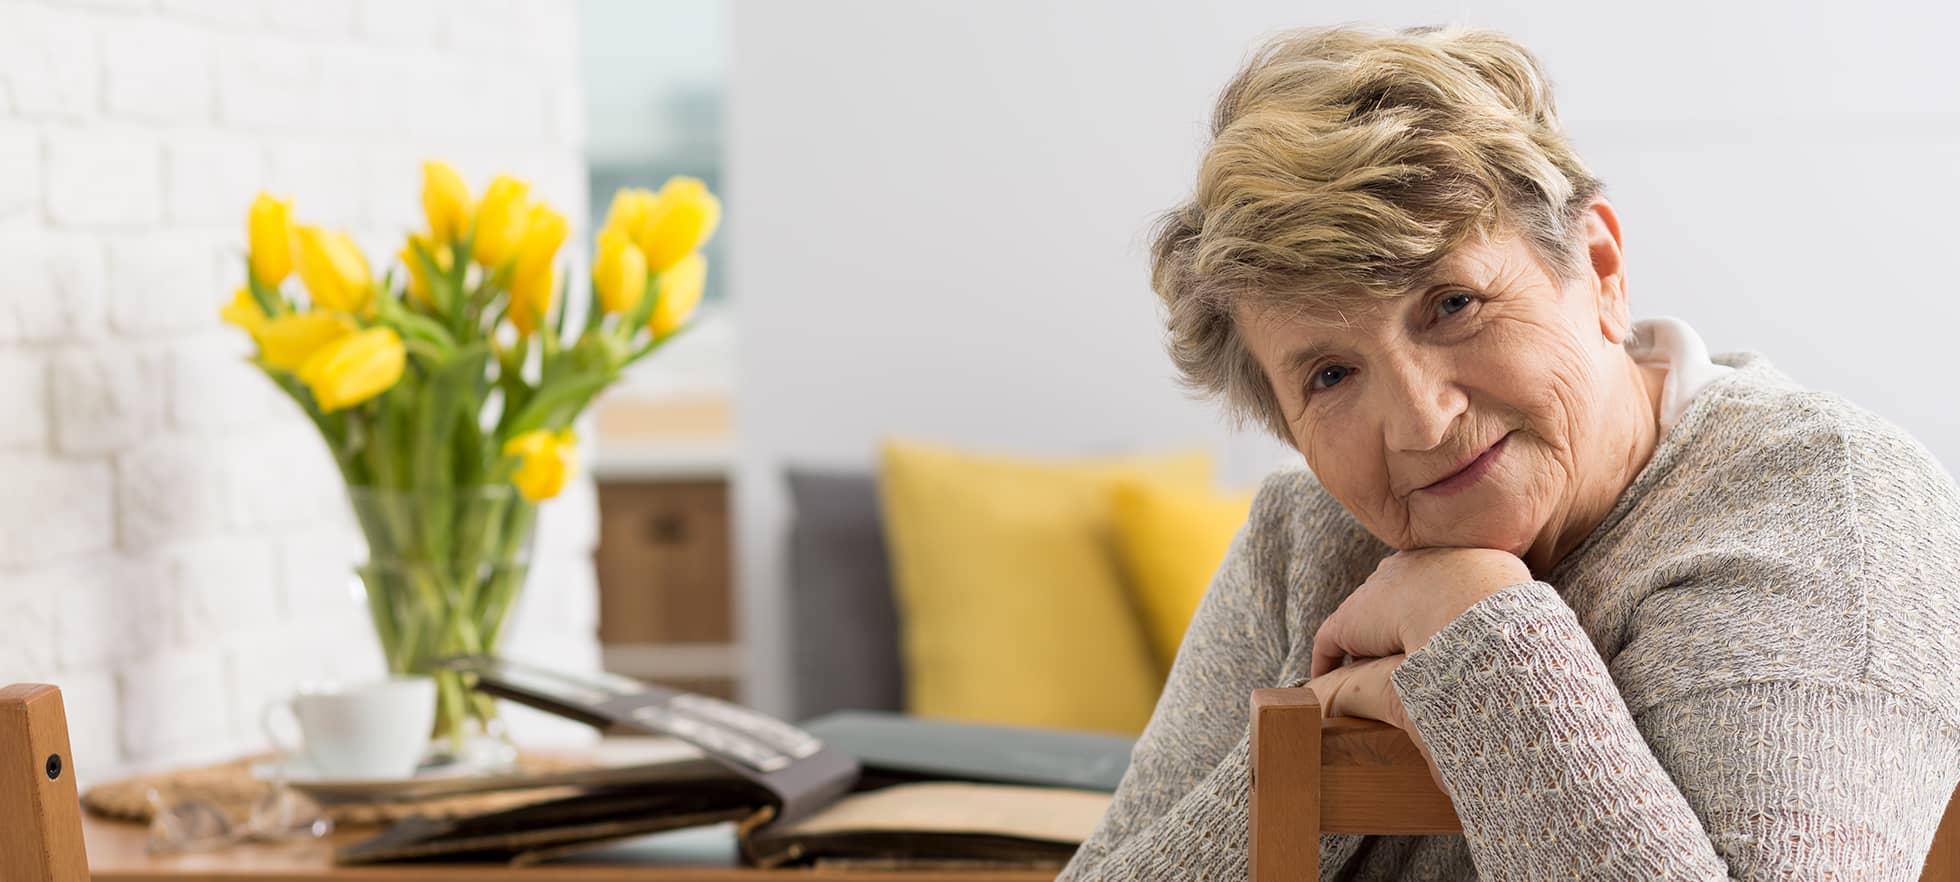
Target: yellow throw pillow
1012 609
1171 538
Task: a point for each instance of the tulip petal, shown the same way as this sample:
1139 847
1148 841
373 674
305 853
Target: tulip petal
620 274
680 294
334 270
445 201
547 460
289 341
269 235
354 368
682 217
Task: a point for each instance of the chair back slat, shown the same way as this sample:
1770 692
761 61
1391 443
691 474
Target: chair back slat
40 812
1374 780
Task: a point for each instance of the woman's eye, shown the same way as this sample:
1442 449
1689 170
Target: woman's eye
1328 376
1455 303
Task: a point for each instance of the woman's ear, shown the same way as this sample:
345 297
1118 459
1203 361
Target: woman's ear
1608 270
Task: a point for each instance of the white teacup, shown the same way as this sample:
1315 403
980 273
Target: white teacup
373 729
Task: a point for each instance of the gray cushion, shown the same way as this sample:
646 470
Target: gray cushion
844 648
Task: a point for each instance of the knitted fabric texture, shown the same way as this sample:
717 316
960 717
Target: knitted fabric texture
1748 670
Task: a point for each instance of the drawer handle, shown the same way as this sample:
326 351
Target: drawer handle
667 529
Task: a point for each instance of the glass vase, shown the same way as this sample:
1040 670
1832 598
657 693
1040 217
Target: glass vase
444 567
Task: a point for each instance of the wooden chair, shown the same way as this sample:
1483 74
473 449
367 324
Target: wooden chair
40 811
1314 774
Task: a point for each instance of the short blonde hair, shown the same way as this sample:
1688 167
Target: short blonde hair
1346 162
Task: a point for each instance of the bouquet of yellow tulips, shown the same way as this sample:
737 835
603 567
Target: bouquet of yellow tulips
447 392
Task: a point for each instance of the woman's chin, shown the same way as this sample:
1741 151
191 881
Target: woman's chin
1488 514
1501 531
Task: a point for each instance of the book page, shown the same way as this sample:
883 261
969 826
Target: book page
1042 813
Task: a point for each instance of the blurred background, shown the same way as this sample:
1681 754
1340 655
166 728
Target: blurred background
936 219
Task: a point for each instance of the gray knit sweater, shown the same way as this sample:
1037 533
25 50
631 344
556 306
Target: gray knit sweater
1749 670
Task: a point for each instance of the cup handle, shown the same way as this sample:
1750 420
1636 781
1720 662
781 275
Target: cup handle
279 714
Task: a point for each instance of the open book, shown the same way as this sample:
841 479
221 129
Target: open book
857 786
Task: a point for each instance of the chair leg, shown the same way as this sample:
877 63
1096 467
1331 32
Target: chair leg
40 812
1285 811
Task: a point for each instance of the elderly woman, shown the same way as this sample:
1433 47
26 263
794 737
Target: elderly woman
1649 614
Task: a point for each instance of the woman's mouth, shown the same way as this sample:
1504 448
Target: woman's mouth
1469 474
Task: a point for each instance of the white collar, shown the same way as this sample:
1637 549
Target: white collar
1670 341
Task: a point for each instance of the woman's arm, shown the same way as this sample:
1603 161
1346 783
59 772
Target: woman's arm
1180 810
1776 776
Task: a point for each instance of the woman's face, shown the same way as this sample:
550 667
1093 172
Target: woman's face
1488 409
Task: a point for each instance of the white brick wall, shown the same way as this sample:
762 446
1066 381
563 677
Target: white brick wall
174 549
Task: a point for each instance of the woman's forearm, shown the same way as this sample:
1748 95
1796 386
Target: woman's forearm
1553 776
1202 835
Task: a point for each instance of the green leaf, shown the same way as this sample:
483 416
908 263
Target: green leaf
643 310
270 300
564 306
444 288
449 391
415 326
565 398
657 342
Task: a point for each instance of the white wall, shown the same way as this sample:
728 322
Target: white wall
174 549
938 212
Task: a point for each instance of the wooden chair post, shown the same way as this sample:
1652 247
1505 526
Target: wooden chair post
40 812
1314 775
1943 862
1285 786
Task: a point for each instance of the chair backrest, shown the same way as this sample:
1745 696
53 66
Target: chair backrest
40 811
1314 774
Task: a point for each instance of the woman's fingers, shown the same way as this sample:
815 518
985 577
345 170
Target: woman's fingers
1366 689
1358 629
1372 620
1328 654
1362 689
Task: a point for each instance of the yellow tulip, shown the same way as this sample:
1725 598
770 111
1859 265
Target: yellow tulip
629 211
530 299
334 270
418 284
244 311
354 368
446 201
680 293
544 231
683 215
620 273
288 341
501 220
269 234
533 278
547 460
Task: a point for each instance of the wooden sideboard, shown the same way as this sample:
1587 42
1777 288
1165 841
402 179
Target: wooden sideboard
666 601
664 560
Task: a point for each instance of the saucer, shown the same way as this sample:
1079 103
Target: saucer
302 776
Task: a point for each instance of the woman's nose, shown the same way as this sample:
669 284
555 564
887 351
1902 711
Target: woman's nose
1421 405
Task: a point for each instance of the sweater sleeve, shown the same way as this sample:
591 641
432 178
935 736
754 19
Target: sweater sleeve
1770 778
1180 811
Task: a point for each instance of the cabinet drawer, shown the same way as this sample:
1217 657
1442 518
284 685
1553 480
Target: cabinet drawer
663 562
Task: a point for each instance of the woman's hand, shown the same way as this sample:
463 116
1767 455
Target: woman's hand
1410 596
1363 689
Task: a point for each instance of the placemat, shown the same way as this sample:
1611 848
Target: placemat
231 786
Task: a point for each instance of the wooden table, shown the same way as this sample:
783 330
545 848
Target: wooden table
116 854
